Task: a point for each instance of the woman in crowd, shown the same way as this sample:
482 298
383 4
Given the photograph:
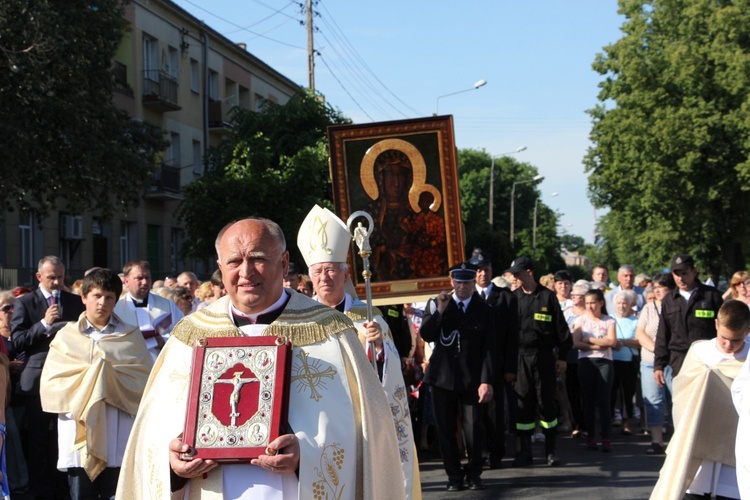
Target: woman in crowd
305 285
572 385
624 356
594 336
183 298
654 397
739 287
205 294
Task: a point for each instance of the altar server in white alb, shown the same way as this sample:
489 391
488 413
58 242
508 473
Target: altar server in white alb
153 314
741 398
324 242
338 441
700 459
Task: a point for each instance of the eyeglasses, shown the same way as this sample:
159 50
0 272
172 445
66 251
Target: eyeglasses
6 308
328 271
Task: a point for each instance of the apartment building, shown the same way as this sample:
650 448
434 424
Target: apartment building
175 72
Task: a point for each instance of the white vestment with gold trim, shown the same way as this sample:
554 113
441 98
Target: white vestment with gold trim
337 410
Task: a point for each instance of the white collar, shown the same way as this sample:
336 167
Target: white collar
254 317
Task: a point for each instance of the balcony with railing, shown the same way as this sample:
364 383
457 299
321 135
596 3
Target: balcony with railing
166 183
160 90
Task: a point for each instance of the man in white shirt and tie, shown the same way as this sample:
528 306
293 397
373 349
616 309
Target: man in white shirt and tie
153 314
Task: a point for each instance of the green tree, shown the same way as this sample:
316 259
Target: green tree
275 165
671 134
474 178
61 137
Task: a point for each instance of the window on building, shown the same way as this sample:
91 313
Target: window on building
230 92
153 248
174 63
197 158
213 85
259 99
26 240
128 242
195 76
176 242
244 102
150 53
174 150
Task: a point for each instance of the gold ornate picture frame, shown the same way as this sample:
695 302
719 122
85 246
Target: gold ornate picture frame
404 174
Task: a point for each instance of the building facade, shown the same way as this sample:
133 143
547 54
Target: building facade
174 72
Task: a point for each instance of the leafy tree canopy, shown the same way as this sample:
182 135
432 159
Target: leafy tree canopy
274 165
671 134
474 185
61 137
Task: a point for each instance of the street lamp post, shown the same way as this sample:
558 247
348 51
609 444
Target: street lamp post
513 204
480 83
533 234
492 182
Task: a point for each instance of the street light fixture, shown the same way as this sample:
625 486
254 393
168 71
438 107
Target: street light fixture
492 181
533 234
513 204
480 83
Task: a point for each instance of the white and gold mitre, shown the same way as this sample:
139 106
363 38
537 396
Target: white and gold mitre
323 237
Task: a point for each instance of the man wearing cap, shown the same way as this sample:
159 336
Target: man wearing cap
505 356
324 242
543 345
462 326
688 314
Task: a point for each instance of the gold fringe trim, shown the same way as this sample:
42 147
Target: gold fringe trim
302 327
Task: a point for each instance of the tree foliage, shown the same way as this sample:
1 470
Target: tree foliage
274 165
474 185
61 137
671 134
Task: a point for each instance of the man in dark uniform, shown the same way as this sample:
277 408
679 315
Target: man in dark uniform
688 314
462 327
543 344
505 304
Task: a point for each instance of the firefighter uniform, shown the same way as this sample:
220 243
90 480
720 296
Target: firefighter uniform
543 338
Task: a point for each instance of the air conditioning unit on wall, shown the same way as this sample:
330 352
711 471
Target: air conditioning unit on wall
71 227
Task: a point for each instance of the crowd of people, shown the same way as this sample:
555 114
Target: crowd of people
589 353
495 360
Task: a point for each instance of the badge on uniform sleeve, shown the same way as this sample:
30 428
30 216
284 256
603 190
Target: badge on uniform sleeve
547 318
705 313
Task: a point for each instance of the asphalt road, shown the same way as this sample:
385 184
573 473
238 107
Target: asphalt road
626 473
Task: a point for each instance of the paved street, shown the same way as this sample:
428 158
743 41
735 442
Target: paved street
626 473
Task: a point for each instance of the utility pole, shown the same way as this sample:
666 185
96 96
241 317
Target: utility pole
310 48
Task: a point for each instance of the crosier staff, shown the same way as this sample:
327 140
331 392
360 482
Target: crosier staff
361 237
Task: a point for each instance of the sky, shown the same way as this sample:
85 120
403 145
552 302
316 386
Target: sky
391 60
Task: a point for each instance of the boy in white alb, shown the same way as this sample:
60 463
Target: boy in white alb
700 457
93 378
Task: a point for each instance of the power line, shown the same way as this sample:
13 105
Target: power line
347 43
242 27
344 88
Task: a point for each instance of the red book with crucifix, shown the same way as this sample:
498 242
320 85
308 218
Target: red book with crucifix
238 396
